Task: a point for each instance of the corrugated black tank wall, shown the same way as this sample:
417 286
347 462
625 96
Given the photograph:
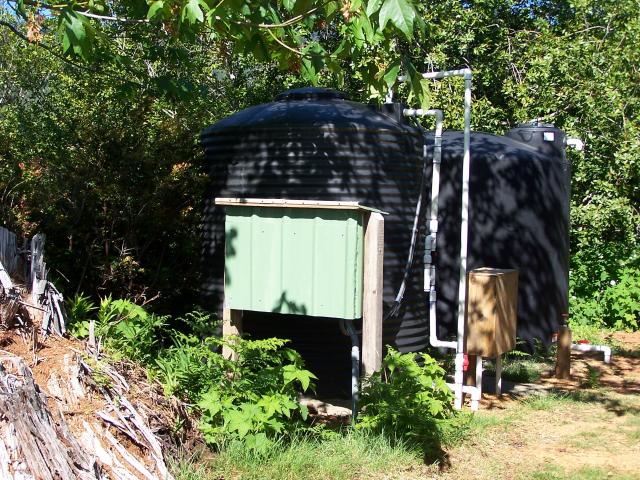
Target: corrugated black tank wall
314 143
518 218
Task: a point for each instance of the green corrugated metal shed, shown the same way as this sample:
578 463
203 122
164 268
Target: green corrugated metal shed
294 256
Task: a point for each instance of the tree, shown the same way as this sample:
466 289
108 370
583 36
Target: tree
301 36
573 63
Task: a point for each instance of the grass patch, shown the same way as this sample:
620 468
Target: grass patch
546 401
524 370
549 472
353 454
634 435
624 352
483 421
555 472
633 421
585 440
634 432
593 377
524 367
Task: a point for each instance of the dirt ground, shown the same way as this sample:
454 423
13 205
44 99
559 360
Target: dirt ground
587 427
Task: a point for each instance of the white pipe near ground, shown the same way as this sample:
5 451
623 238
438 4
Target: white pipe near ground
464 236
355 366
587 347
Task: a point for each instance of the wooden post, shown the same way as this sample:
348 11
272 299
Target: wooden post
563 362
372 293
231 325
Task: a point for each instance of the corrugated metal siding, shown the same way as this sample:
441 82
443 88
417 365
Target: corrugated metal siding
381 170
292 260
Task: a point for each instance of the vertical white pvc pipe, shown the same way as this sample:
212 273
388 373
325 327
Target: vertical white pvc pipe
464 228
464 236
355 366
432 218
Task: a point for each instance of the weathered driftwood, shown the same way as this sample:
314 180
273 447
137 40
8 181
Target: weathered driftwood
5 279
33 443
38 269
38 444
42 295
9 251
9 297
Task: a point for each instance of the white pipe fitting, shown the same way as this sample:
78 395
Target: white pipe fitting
575 143
587 347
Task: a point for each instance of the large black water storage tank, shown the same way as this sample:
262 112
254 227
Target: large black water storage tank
518 218
316 144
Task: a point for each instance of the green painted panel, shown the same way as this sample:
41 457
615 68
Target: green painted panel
294 260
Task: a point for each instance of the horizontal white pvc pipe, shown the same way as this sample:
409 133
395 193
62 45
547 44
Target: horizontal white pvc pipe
463 72
587 347
475 393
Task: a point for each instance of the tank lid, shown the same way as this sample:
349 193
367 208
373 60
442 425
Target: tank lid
312 93
535 124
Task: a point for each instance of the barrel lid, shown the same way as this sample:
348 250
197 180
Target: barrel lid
312 93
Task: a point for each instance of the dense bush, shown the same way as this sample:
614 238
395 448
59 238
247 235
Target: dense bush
605 264
106 161
253 399
256 399
407 399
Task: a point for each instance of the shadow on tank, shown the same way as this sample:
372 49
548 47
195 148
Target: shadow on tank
315 144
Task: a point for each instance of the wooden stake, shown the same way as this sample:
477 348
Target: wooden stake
563 361
231 325
372 294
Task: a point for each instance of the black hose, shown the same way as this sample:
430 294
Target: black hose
397 303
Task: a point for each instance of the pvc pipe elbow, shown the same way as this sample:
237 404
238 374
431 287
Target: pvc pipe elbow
587 347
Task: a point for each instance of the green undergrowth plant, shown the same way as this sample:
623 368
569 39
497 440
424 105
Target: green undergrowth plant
597 335
255 400
525 367
79 310
408 400
129 331
252 400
